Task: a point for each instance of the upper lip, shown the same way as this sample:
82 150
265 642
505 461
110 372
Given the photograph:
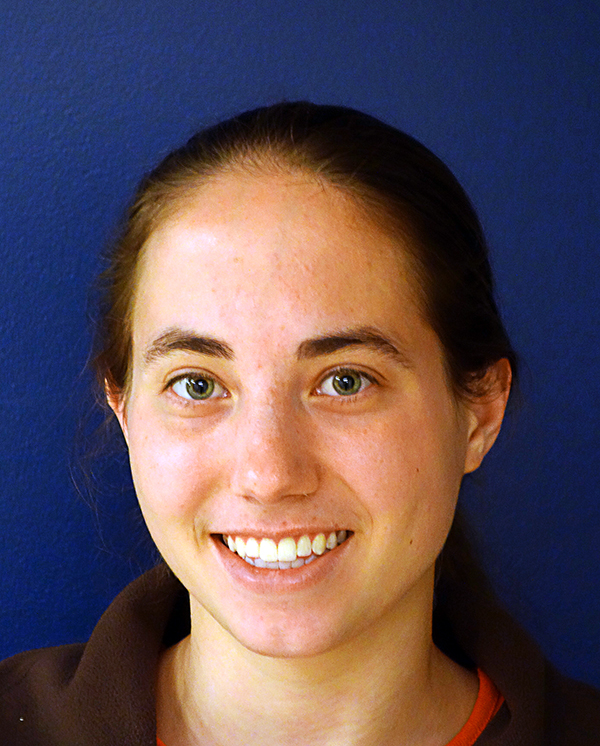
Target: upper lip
281 533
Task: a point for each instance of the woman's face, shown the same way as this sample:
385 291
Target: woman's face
285 385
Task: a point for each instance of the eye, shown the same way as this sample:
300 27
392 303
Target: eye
345 382
197 387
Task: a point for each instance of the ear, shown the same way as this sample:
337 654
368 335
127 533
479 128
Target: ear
116 401
486 412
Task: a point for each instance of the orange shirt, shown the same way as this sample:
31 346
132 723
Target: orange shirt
489 701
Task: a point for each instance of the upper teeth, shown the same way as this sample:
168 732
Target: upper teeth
287 549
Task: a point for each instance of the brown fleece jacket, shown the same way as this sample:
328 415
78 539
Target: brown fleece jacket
102 693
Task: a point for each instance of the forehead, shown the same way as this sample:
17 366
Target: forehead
274 247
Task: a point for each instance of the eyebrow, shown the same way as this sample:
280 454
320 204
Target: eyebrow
178 339
368 337
175 339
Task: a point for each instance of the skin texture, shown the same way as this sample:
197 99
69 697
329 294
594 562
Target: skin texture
264 264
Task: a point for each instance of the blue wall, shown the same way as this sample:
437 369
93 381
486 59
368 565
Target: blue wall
91 94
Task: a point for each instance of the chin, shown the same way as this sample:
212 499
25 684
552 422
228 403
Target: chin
276 635
280 642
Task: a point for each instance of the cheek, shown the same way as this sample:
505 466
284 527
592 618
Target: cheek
407 473
172 468
404 455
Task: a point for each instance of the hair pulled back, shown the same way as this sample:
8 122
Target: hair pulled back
400 183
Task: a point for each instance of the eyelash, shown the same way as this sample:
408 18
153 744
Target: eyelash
196 375
341 398
348 398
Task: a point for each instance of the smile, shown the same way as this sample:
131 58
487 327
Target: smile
288 553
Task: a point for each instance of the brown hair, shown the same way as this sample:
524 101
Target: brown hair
397 179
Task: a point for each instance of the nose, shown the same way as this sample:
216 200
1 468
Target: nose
272 455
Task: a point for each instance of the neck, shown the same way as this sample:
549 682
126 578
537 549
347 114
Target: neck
387 686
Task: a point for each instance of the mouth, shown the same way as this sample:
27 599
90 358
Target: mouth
288 553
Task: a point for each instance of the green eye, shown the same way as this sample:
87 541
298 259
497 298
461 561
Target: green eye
197 388
345 383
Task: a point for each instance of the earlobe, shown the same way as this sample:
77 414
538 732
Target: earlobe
116 401
486 412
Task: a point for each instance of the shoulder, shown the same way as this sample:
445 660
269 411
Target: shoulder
52 666
543 707
33 687
572 711
101 692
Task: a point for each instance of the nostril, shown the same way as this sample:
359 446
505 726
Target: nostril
274 479
271 454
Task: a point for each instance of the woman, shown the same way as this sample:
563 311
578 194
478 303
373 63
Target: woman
303 351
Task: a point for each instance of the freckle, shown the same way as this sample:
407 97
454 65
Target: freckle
411 541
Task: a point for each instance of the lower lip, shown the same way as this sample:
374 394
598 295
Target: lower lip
263 580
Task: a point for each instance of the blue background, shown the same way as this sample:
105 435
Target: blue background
93 93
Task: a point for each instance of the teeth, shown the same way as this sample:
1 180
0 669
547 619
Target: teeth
304 547
252 548
286 550
240 546
268 550
286 554
331 542
319 544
